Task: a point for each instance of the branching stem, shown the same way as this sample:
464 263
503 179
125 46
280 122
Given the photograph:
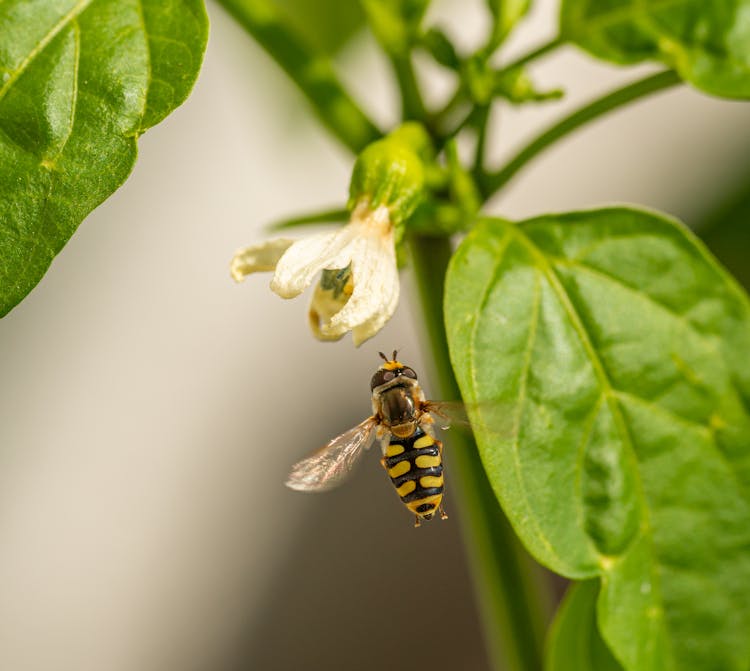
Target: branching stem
311 71
491 183
533 55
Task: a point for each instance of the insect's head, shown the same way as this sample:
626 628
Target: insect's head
391 370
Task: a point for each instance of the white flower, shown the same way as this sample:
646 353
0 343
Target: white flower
358 290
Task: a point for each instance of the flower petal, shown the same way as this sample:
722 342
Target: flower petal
300 263
258 258
375 274
369 328
331 294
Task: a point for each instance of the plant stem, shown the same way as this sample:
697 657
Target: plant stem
311 71
514 606
482 118
440 118
540 51
438 122
412 105
494 181
331 216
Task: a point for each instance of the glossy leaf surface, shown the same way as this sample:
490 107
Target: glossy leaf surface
708 43
607 352
79 82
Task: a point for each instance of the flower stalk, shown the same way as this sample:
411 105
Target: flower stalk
512 590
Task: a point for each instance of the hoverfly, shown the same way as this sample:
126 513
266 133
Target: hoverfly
402 421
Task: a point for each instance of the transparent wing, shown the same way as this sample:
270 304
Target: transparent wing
493 418
448 413
330 465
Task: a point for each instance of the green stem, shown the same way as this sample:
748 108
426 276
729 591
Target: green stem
412 105
311 71
483 115
439 121
493 182
514 605
332 216
533 55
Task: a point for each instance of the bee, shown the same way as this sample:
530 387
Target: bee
403 422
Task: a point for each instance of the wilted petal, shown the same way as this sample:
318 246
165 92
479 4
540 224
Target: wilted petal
375 275
300 263
369 328
258 258
358 290
331 294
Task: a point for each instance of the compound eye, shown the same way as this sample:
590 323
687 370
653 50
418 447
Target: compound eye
381 377
408 372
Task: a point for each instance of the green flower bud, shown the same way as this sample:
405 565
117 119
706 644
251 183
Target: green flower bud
441 48
391 172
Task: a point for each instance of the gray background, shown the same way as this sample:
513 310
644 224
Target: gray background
150 408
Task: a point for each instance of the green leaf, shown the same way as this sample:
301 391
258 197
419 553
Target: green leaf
79 82
707 43
574 643
608 353
726 233
439 46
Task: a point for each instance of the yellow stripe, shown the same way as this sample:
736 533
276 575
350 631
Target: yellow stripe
424 441
434 499
399 469
407 488
393 449
431 481
427 461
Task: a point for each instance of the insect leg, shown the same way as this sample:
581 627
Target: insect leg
417 521
443 514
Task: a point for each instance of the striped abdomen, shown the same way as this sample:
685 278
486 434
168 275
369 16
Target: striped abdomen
415 467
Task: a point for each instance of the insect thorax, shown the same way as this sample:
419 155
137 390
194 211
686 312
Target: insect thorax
398 405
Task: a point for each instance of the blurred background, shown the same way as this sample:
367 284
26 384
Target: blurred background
150 408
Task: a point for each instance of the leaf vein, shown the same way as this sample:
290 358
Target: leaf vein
66 19
149 75
502 245
580 456
684 421
51 161
681 318
604 381
694 426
